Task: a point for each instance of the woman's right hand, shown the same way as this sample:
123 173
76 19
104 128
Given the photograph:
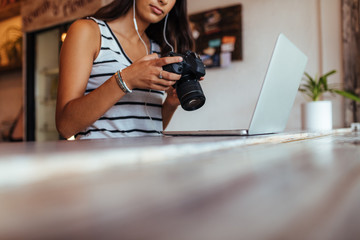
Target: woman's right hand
145 73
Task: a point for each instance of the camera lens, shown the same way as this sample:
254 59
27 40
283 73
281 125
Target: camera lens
190 95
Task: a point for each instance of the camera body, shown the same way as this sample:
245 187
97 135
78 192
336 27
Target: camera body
188 87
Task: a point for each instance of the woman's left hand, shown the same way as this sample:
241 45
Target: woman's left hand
170 105
172 99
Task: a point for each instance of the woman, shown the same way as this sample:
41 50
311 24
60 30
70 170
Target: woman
111 78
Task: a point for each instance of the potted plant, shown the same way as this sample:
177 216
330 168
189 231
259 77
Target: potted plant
317 114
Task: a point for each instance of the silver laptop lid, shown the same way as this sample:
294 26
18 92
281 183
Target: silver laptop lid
279 88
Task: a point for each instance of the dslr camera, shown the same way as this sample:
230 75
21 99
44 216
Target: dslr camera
188 87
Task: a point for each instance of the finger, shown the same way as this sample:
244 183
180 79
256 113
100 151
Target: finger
171 91
163 82
169 76
150 57
167 83
168 60
160 87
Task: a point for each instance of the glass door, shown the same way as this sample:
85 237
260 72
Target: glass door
46 81
43 48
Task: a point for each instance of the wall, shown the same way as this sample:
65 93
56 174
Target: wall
11 86
232 92
45 13
313 25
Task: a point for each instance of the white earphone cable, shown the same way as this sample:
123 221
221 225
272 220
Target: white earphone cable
147 53
164 33
137 30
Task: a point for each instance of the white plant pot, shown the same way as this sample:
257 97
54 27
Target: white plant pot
316 116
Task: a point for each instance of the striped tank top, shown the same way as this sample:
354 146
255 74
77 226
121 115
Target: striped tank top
137 113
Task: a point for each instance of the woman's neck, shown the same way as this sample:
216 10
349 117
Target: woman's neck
125 32
125 25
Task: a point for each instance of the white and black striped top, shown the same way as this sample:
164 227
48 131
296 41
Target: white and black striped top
131 115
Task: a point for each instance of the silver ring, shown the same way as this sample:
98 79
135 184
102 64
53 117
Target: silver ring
160 75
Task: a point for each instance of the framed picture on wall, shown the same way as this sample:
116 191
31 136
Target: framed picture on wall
218 35
11 36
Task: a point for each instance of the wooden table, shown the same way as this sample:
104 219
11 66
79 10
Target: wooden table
287 186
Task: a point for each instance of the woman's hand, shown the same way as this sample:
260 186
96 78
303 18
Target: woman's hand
170 105
147 73
172 98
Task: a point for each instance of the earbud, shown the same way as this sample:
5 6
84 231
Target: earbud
135 24
134 18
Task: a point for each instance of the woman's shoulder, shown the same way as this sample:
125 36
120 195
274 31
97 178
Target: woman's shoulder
85 27
83 34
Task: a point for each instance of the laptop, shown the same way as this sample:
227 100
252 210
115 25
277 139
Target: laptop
277 95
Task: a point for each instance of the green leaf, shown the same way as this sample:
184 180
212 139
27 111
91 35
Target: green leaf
315 87
346 94
323 82
329 73
308 76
